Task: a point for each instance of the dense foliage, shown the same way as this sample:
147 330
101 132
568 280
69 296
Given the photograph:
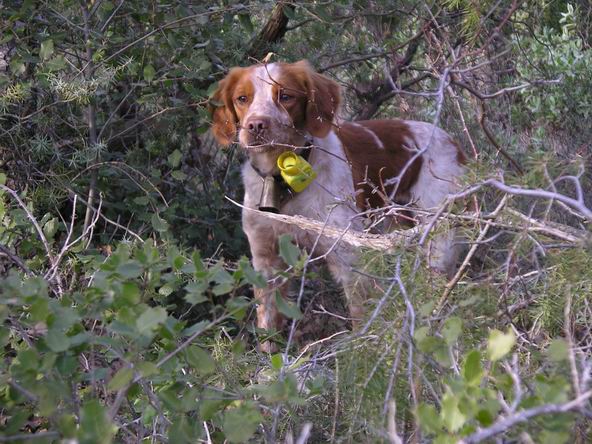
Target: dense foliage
125 288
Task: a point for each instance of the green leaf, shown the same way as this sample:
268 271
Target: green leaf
141 200
57 340
67 425
250 275
184 430
277 361
245 20
130 292
238 307
197 264
95 427
46 49
484 417
471 370
223 279
166 290
198 326
552 389
554 437
452 418
285 390
221 276
289 12
287 308
558 350
428 418
50 228
17 66
431 344
39 310
150 319
149 73
158 223
178 262
195 292
174 159
420 334
16 422
426 309
179 175
121 379
500 344
56 63
288 251
146 368
200 360
210 93
210 403
452 330
221 289
240 424
170 398
130 269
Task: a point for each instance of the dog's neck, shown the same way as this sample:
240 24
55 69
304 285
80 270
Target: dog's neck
265 163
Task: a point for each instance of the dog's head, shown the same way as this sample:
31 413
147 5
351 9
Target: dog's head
273 106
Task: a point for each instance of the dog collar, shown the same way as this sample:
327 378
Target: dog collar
276 192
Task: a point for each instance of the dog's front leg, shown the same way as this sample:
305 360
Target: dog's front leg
266 260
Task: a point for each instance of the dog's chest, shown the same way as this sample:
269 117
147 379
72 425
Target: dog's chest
329 197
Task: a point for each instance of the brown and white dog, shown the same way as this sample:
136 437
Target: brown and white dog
277 107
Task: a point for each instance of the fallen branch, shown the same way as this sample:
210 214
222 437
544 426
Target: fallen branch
381 242
406 238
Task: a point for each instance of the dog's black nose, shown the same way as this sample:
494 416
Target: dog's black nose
257 125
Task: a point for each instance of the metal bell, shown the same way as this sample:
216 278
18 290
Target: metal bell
270 195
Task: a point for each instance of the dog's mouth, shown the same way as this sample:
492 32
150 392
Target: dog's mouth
259 145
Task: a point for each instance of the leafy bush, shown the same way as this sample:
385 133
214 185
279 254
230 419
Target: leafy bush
125 296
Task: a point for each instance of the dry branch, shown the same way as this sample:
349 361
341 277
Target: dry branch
506 423
381 242
406 237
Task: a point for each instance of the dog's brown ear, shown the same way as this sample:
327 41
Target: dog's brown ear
323 100
224 118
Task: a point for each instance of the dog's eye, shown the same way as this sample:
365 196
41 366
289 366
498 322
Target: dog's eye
285 97
242 99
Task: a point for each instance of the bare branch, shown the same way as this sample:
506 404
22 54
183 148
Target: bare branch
506 423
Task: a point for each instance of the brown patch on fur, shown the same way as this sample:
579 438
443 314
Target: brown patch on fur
243 87
372 165
316 97
461 158
293 80
322 97
225 116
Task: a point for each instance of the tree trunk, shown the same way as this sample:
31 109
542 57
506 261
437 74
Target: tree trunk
273 31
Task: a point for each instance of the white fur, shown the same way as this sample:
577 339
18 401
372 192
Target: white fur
440 168
438 177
